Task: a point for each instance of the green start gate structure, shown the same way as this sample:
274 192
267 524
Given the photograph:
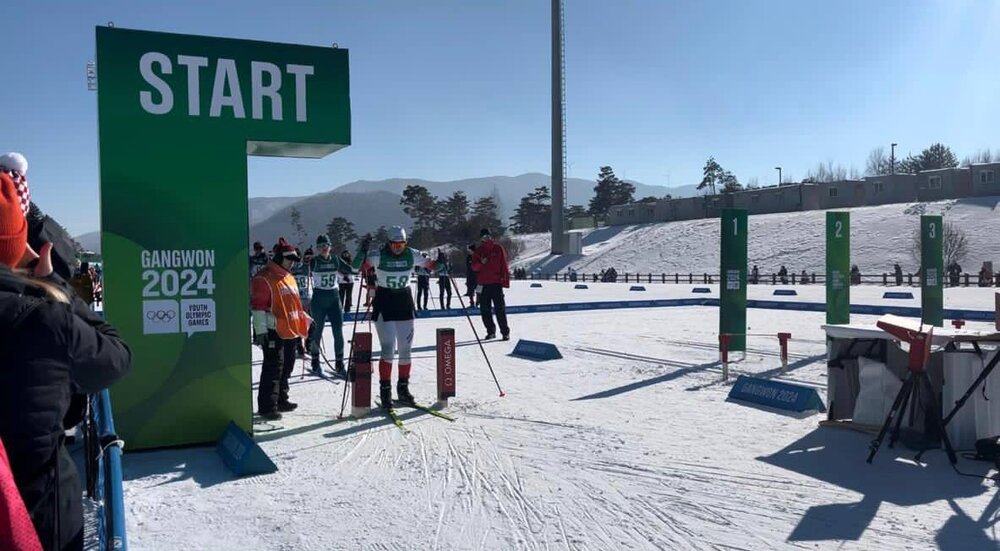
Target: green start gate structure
178 115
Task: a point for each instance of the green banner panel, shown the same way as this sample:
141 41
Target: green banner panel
178 115
932 270
733 278
838 267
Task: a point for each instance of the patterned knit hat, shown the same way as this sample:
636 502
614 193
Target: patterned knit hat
283 250
16 166
13 224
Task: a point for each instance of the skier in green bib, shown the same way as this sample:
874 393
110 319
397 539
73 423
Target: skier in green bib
393 308
326 305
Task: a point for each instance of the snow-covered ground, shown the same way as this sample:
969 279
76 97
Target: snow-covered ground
626 443
880 237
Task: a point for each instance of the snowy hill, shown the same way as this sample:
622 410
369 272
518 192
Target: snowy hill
880 236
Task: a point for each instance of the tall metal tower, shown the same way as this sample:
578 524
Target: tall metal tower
559 241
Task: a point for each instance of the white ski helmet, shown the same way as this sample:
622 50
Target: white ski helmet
397 234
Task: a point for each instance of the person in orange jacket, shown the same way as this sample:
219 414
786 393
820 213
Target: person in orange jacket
489 262
279 323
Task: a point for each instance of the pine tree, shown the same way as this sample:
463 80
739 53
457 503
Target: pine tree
729 182
300 231
485 214
453 218
534 213
934 157
712 172
421 206
340 231
610 191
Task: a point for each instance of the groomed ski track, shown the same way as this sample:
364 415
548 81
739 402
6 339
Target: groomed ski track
626 443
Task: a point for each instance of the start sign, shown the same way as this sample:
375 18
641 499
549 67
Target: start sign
178 115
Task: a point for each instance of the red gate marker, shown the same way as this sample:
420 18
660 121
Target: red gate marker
361 389
783 339
445 365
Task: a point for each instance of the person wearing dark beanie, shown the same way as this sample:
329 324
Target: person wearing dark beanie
51 348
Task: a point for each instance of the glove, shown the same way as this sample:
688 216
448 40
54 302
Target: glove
267 340
365 244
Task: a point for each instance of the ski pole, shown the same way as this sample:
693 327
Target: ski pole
303 358
474 332
350 359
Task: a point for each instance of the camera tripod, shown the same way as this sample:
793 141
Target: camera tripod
916 383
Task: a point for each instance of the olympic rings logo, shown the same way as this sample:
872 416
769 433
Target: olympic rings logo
161 315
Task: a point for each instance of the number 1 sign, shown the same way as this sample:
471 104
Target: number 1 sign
733 283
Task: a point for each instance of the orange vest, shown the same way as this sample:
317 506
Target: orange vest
290 319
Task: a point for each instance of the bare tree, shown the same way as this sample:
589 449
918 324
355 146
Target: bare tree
878 163
826 172
300 231
980 157
956 245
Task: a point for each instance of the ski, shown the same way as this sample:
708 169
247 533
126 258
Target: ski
427 409
396 420
261 425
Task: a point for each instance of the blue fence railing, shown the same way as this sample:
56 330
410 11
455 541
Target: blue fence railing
968 315
108 471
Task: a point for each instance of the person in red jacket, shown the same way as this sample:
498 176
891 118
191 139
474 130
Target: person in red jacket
489 261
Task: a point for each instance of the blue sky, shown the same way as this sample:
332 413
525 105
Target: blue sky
445 90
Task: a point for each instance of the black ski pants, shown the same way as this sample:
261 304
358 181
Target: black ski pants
492 299
279 360
444 286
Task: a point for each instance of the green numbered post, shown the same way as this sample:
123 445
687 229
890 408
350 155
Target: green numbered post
178 116
932 270
838 267
733 278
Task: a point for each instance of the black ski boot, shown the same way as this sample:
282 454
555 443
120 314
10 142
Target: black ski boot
403 391
315 365
340 367
385 394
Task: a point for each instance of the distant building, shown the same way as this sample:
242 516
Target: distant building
929 185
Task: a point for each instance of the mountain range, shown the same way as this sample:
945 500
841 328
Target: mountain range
369 204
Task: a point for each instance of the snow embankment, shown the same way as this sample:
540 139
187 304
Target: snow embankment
880 237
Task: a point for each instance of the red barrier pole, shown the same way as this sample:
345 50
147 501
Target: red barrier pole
361 399
783 339
724 355
445 365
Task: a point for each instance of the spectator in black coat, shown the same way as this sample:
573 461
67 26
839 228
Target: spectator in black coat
52 344
470 277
